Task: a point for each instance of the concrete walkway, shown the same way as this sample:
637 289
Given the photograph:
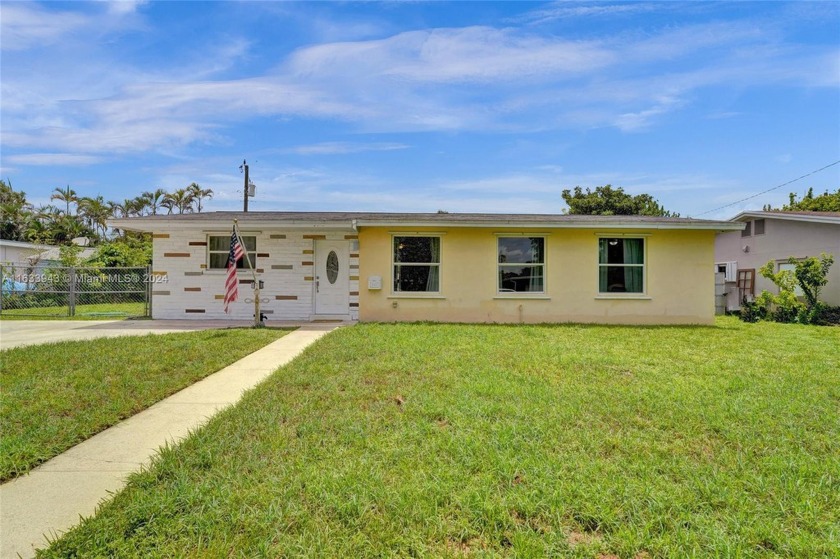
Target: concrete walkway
51 498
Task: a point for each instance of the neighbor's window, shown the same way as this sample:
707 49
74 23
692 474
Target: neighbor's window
621 265
747 230
417 264
218 249
758 227
521 264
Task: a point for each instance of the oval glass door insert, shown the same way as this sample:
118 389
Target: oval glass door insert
332 267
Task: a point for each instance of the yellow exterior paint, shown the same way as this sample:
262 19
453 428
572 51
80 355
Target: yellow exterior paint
679 279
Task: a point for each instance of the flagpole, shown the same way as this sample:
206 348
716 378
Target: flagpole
257 321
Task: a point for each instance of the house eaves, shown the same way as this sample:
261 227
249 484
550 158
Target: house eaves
350 221
811 217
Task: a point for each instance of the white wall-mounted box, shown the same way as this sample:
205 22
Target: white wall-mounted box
375 282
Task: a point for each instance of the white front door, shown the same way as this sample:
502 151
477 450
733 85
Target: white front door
332 277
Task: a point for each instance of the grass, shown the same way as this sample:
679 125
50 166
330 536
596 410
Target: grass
98 311
497 441
57 395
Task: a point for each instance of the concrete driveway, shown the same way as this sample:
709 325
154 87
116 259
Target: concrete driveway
14 333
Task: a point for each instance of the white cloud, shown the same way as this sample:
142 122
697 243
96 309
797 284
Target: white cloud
25 25
562 10
122 7
450 79
468 54
341 148
53 159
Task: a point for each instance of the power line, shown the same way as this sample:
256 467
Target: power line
771 189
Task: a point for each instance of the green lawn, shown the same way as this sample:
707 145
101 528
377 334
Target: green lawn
56 395
507 441
98 311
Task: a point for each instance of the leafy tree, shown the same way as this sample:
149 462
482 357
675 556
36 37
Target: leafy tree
180 199
826 202
154 198
199 194
810 274
95 212
123 252
606 200
67 195
15 213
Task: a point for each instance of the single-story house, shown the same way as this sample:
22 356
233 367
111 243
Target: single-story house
19 252
775 236
442 267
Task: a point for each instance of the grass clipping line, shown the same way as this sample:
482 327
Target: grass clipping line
56 395
498 441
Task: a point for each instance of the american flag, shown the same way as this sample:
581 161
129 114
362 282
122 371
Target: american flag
231 281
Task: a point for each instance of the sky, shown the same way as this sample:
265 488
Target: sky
422 106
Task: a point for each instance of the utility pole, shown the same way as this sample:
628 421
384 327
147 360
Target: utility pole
245 190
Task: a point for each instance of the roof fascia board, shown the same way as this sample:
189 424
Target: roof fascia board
350 225
175 225
717 226
788 217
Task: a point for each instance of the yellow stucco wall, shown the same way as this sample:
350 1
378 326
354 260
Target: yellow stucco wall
679 278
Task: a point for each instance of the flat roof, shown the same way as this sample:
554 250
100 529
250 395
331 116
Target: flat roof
354 220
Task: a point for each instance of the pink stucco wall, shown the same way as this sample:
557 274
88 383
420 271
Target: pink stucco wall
781 240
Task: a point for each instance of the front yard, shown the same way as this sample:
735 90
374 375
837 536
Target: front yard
57 395
528 441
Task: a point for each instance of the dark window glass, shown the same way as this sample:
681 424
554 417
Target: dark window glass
758 227
218 247
521 264
621 265
747 230
417 264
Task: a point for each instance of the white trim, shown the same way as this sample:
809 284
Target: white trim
521 234
544 264
173 223
628 297
438 264
788 216
415 295
644 266
519 225
418 233
611 235
242 236
537 296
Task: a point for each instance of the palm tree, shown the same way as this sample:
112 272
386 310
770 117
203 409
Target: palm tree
181 199
68 196
154 199
200 193
95 212
15 213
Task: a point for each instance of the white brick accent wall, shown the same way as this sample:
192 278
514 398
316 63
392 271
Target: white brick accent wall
185 288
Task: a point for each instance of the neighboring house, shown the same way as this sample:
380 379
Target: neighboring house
776 236
438 267
18 252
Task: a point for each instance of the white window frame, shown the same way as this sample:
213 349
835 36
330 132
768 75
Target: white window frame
643 265
252 254
543 264
394 265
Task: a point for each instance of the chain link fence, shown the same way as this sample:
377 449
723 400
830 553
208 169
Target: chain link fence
82 292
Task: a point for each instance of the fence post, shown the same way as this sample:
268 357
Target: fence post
71 293
149 285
